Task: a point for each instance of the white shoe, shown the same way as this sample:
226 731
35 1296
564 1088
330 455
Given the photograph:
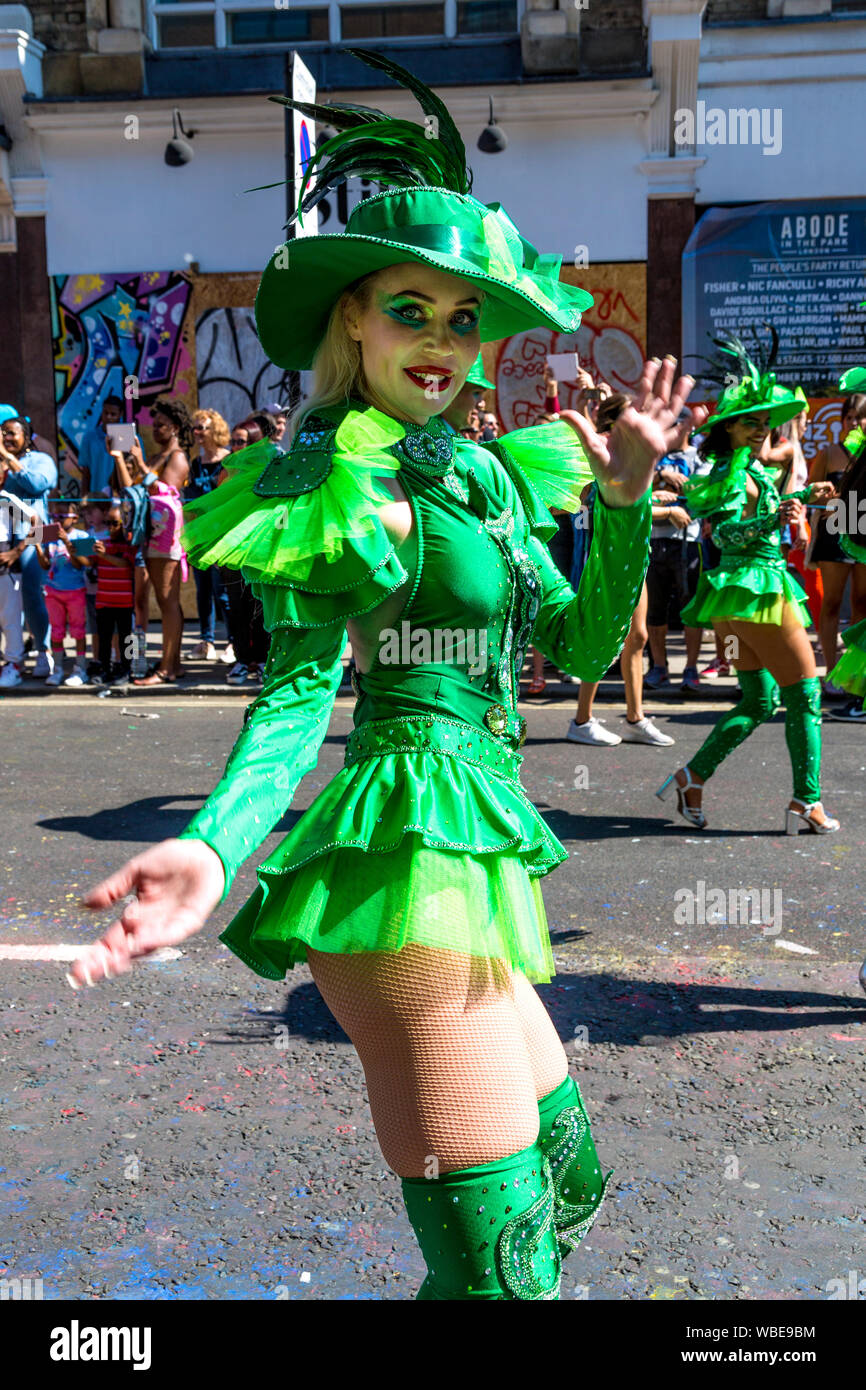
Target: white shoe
238 674
794 819
44 666
593 731
77 676
693 814
10 675
56 677
645 731
227 655
204 651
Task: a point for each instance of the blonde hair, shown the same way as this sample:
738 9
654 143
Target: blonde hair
218 427
338 371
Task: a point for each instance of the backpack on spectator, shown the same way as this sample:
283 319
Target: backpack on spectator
135 514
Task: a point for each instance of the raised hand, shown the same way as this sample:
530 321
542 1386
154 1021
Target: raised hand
177 884
648 429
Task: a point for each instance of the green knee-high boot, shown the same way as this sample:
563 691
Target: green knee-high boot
487 1232
803 737
566 1140
759 702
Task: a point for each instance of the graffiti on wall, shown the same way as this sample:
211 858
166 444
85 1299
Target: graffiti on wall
234 375
609 343
118 335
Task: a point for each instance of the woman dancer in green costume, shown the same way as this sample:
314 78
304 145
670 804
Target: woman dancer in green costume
849 672
410 886
750 599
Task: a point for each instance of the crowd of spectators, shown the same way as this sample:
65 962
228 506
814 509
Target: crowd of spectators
82 571
73 574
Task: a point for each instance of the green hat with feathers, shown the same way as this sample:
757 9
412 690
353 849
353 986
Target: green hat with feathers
749 383
426 215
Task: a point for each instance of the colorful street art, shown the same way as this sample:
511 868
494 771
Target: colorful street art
121 335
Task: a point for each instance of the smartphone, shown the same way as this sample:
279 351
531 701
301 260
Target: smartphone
84 546
564 365
121 437
50 532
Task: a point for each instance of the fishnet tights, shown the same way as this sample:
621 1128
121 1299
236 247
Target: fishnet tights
456 1051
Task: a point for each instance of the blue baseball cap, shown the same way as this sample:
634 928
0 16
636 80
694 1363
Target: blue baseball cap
7 412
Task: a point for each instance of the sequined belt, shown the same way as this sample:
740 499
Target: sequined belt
422 733
732 560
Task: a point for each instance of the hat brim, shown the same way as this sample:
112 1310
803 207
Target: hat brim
295 300
779 414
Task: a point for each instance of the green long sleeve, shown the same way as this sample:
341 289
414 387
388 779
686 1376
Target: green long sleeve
283 730
583 633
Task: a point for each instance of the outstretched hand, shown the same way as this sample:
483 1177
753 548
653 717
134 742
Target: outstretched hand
649 428
177 884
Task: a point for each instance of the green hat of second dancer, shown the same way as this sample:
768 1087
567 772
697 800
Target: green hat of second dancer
476 375
853 380
750 387
427 215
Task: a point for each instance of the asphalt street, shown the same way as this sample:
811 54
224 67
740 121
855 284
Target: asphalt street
192 1131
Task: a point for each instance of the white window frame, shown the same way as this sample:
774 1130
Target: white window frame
220 9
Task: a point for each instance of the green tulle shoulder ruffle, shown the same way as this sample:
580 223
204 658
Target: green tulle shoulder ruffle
721 494
322 539
549 468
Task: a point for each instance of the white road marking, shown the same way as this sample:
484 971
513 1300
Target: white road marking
58 951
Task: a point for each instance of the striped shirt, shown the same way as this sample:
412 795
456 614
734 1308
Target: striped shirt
114 587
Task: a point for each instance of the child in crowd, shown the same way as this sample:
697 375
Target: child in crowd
115 597
95 519
65 594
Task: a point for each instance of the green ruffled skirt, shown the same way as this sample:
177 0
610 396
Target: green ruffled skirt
405 848
850 670
751 592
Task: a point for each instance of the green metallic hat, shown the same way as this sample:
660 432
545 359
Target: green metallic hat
476 375
853 380
427 215
750 387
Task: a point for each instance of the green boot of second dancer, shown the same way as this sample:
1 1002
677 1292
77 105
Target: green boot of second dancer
566 1141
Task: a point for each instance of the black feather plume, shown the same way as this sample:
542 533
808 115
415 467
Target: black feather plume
387 151
734 362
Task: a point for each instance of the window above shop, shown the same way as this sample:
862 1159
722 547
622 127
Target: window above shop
242 23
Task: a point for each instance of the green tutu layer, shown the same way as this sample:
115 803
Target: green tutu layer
463 850
751 593
853 548
849 673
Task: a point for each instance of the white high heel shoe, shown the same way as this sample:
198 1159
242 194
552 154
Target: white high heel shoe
793 819
693 814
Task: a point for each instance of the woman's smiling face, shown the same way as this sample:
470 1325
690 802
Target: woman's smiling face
419 336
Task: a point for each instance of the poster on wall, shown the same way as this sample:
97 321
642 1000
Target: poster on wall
609 344
119 335
798 265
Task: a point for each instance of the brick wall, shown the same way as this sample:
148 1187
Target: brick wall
68 26
728 11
